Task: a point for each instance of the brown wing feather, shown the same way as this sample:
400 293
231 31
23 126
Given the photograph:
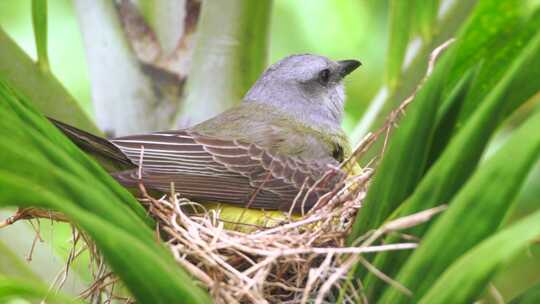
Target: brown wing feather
210 169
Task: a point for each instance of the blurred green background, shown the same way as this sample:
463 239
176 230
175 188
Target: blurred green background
334 28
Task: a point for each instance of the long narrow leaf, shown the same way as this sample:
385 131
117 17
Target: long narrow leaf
39 21
456 164
55 150
426 12
454 113
12 288
43 169
401 18
148 273
474 214
450 106
483 32
531 296
506 48
488 22
399 172
468 276
413 74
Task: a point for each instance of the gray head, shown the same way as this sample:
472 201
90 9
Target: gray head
308 87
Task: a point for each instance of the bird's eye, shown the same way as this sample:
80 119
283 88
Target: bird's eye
324 76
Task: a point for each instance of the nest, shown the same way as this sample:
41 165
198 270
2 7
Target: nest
298 260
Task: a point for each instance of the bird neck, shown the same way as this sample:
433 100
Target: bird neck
305 113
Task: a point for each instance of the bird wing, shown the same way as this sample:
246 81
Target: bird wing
211 169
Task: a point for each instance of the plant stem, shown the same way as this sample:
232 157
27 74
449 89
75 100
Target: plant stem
230 54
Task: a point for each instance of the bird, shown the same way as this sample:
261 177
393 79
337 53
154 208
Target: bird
278 149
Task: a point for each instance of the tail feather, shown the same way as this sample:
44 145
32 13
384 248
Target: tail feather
100 148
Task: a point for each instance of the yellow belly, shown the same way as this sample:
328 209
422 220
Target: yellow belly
245 220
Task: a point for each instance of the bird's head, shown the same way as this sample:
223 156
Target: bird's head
309 87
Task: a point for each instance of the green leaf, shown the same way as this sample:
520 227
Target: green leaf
403 163
453 114
401 19
39 21
519 275
56 150
13 266
450 106
484 33
42 168
531 296
456 163
426 17
474 214
467 277
501 55
447 28
146 268
11 288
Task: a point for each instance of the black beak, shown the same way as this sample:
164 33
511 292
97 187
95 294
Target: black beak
347 66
